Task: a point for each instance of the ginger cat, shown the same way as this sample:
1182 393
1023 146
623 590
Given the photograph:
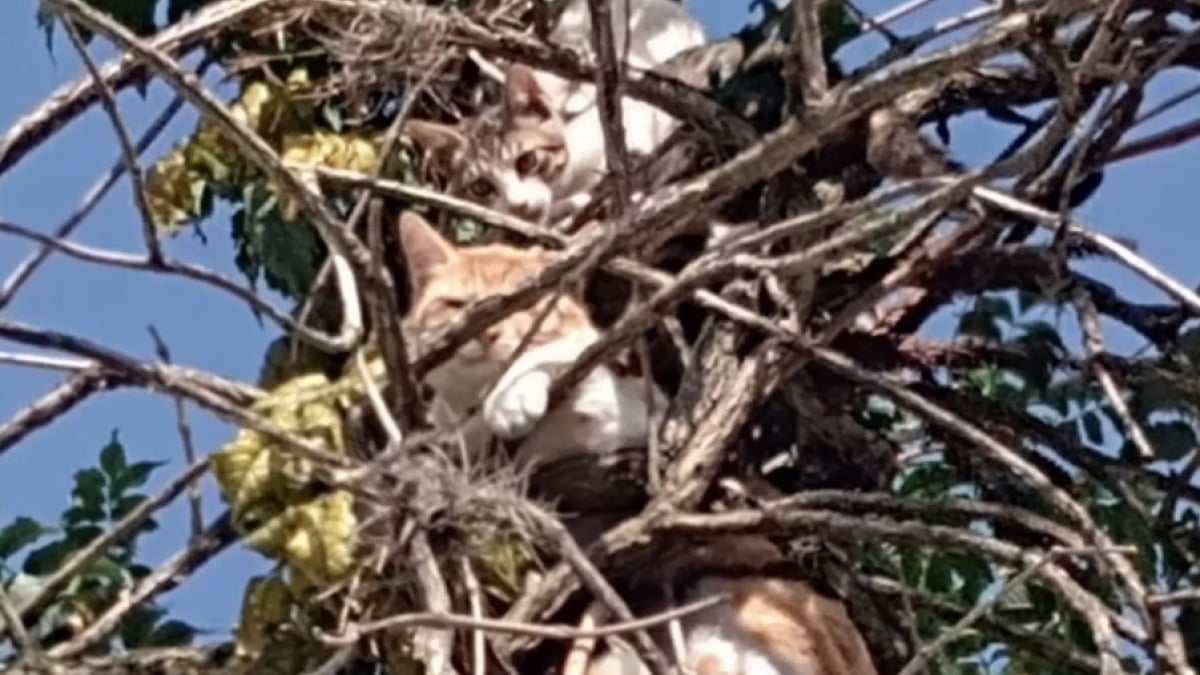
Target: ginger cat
769 626
538 153
606 412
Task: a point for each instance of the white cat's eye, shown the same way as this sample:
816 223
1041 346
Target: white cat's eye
526 163
481 189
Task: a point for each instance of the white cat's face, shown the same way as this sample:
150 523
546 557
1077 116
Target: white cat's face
508 158
505 187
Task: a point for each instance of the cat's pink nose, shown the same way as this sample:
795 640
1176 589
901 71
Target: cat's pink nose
528 212
489 337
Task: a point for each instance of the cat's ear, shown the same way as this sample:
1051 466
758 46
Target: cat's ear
523 96
424 249
442 141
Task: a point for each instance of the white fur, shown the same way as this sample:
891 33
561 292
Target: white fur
656 31
530 196
712 633
605 412
716 632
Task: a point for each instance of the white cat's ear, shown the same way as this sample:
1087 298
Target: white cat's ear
424 248
523 96
435 137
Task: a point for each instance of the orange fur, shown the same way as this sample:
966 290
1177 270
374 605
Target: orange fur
447 278
607 411
769 626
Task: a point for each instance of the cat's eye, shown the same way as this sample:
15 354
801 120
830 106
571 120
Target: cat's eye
453 303
481 189
526 163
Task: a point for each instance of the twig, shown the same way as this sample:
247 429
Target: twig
1007 459
185 436
1105 243
177 268
1093 343
609 88
599 587
171 573
1099 617
91 198
1049 647
431 646
928 651
475 601
539 630
808 71
129 154
57 402
70 101
385 314
87 555
347 253
375 398
26 647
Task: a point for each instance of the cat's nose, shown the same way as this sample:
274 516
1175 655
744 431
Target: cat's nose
489 337
528 212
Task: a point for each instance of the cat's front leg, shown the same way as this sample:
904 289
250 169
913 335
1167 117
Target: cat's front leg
521 396
516 405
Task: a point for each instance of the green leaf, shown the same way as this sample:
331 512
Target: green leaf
998 308
112 458
139 571
248 244
838 27
974 572
1171 440
46 19
979 324
1027 300
939 574
1092 428
1042 335
135 476
18 534
171 634
138 624
81 514
127 504
108 570
929 480
48 558
82 535
177 9
89 490
136 15
288 255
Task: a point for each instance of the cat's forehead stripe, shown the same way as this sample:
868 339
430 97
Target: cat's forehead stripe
481 270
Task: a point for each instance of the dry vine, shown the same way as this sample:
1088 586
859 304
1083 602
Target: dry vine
857 230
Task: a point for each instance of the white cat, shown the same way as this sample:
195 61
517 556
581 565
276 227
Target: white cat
539 153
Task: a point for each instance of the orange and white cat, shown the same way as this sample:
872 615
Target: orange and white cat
769 626
606 412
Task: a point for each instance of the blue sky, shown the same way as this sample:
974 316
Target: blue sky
1151 200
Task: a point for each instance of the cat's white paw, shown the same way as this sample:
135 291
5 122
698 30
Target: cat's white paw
514 408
